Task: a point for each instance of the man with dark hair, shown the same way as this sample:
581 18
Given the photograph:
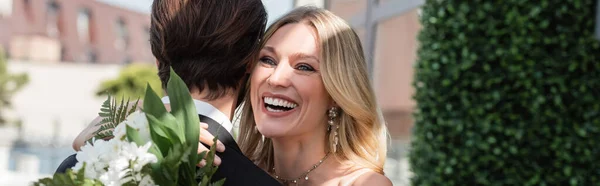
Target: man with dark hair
209 44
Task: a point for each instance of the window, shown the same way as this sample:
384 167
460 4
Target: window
5 8
92 56
53 19
147 51
89 55
28 11
147 34
122 33
63 53
127 60
83 25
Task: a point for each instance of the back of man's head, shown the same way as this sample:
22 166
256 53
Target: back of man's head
208 43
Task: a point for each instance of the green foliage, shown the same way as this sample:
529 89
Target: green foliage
207 172
112 115
68 179
131 82
508 94
9 85
176 135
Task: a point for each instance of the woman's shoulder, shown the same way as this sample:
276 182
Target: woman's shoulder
364 176
372 178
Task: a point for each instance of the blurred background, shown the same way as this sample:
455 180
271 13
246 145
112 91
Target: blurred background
60 57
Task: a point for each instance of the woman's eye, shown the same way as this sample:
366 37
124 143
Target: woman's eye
305 67
268 61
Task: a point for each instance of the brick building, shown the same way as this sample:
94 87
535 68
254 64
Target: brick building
73 30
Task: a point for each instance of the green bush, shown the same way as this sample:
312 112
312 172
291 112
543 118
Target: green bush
508 93
131 82
10 84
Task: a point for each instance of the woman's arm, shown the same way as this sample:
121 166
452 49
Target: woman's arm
86 134
89 131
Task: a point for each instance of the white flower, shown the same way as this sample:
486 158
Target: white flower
140 155
119 132
115 173
147 181
119 161
94 157
137 121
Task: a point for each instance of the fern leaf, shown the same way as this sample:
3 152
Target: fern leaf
113 110
104 121
134 107
116 113
123 110
105 108
112 114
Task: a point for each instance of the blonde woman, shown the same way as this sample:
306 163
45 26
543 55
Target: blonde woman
312 117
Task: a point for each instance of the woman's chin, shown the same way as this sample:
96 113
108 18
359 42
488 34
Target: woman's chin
271 132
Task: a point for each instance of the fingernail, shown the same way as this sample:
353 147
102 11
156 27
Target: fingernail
217 160
220 146
204 125
202 163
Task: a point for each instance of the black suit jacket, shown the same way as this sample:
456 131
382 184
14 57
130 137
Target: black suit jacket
235 167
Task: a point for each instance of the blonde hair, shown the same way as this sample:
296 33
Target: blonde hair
362 130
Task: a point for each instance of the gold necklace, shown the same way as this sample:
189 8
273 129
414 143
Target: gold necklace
305 175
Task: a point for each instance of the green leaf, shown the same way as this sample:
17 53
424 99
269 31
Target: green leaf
154 149
218 183
152 103
162 135
134 136
184 110
171 165
69 178
112 114
168 121
80 173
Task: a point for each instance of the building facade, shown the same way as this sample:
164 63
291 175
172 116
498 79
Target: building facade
74 30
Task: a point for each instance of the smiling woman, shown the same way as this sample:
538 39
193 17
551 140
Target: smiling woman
311 99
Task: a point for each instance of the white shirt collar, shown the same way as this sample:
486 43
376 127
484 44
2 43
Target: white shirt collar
206 109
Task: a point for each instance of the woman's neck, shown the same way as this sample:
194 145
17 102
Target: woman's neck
293 156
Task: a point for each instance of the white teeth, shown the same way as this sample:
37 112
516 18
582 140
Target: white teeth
273 110
279 102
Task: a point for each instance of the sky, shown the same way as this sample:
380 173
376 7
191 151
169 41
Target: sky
275 8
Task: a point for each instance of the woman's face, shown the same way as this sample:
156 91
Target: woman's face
287 93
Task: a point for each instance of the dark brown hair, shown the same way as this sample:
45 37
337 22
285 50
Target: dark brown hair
208 43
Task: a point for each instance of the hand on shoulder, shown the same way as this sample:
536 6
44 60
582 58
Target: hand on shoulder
86 134
90 130
372 178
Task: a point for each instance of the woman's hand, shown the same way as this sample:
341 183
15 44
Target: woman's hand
86 134
207 139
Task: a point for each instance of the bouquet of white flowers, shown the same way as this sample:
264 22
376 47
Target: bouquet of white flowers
149 147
